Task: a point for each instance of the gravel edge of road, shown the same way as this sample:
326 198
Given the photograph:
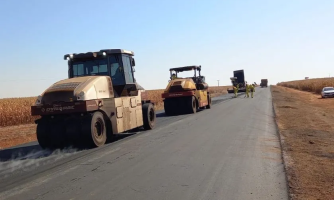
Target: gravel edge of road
287 167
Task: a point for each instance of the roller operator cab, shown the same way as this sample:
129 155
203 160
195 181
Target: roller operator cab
186 95
99 98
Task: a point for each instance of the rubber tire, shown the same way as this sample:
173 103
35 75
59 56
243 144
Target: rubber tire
73 134
167 107
42 135
96 140
192 105
149 116
171 106
57 135
209 102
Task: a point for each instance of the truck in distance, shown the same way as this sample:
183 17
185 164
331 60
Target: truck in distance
264 83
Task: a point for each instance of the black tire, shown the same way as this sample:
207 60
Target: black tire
209 102
56 129
42 135
50 134
72 130
171 106
167 107
192 105
148 116
98 129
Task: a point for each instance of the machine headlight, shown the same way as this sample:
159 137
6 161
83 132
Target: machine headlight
104 54
38 100
81 95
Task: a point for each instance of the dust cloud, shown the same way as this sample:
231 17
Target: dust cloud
28 161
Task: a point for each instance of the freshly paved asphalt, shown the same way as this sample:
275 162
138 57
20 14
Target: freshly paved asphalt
230 151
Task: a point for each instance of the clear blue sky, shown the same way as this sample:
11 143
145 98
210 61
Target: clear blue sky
279 40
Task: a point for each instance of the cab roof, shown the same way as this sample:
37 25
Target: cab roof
186 68
99 53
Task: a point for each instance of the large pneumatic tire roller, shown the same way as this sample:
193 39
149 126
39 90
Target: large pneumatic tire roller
85 110
186 95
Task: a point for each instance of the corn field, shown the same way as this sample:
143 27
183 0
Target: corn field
309 85
15 111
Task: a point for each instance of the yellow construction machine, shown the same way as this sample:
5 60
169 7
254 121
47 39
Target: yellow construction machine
186 95
99 98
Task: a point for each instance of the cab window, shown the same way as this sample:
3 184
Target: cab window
116 70
127 69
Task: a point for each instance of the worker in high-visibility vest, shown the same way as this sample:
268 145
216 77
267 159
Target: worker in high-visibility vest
252 89
235 89
173 76
247 90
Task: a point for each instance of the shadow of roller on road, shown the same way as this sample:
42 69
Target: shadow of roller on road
159 115
215 100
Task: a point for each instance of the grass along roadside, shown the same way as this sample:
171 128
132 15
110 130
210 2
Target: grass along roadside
305 124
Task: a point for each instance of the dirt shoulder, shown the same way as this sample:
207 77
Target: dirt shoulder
306 125
16 135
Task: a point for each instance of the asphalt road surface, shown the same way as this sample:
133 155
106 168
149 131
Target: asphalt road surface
230 151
